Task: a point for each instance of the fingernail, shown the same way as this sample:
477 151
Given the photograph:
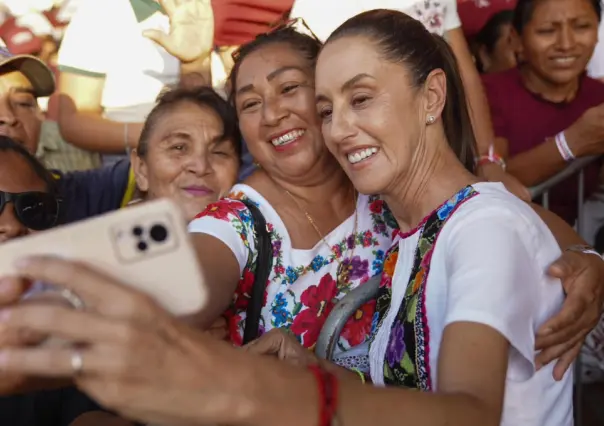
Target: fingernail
538 366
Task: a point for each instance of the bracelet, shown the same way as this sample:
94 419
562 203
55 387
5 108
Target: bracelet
581 248
361 375
491 158
563 148
328 395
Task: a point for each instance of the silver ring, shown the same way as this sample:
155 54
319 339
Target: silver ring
73 299
77 362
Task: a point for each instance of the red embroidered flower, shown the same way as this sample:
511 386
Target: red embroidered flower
235 330
244 289
319 301
222 209
243 294
376 206
358 327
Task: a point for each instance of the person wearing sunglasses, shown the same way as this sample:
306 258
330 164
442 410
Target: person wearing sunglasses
29 202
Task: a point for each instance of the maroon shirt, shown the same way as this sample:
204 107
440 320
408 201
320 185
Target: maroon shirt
526 120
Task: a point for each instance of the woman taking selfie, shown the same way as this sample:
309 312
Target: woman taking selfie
141 362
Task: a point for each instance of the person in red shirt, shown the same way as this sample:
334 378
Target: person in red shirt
547 109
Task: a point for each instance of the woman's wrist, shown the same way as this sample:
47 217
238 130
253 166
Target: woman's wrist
290 397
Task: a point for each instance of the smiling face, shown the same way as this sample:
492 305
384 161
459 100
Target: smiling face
187 159
372 116
20 116
276 109
559 39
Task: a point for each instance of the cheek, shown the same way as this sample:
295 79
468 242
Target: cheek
163 174
226 175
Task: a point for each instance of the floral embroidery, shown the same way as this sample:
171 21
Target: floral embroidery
382 218
319 301
406 358
358 326
301 296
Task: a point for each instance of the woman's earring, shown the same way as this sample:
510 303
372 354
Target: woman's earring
430 120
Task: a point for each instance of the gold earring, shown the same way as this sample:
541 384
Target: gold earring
431 119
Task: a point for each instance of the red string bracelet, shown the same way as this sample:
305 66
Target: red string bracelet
328 395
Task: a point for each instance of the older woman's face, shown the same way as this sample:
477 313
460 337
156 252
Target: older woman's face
187 160
276 109
16 176
369 111
560 38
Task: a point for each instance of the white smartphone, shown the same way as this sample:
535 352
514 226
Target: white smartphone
146 247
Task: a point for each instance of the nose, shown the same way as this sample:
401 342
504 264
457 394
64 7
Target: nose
340 128
10 227
566 38
8 118
199 163
273 112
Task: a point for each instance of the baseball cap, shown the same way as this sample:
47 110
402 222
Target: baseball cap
39 75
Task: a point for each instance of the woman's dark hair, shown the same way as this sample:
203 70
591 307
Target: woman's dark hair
308 46
490 33
523 13
202 96
402 39
9 145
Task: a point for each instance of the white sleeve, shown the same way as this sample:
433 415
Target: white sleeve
87 43
494 281
224 222
451 20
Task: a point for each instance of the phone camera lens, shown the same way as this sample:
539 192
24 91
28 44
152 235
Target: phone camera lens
158 233
142 246
137 231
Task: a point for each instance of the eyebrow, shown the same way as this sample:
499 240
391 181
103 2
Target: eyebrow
23 89
347 85
272 75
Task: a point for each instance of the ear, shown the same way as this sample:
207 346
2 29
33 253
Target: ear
516 44
435 93
141 174
485 59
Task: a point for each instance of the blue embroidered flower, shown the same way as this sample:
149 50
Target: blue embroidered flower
291 273
396 345
378 262
317 263
448 207
279 309
374 323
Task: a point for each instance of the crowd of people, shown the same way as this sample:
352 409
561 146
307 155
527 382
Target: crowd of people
377 140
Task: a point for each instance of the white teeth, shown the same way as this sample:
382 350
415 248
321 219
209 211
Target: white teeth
287 138
565 60
361 155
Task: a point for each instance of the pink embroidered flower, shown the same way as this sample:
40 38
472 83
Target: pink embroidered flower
222 209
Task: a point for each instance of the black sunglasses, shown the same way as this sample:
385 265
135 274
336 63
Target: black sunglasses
35 210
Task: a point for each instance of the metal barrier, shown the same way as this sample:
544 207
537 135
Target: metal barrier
348 305
344 309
